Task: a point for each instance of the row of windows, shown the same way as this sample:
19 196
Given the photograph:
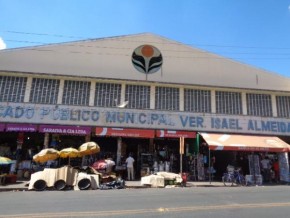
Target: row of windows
12 89
46 91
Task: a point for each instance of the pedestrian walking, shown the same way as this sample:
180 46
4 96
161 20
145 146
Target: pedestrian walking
130 167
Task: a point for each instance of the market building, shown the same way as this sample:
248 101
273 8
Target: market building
141 94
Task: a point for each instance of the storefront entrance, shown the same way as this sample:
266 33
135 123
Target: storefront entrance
254 151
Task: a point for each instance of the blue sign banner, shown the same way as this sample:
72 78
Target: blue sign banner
130 118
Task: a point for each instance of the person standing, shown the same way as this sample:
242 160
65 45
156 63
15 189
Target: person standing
276 170
266 167
130 167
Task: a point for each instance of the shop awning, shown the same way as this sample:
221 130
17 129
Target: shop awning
20 127
175 134
245 143
124 132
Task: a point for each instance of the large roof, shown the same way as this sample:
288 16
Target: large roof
110 58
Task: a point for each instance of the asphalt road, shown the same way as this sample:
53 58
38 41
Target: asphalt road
218 202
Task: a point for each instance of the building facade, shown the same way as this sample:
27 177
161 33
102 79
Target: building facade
138 86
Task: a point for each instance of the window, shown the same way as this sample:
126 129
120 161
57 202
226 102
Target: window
228 102
259 105
138 96
44 91
283 106
107 94
166 98
12 89
197 100
76 92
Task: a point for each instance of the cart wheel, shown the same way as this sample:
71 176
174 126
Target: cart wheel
39 185
84 184
60 185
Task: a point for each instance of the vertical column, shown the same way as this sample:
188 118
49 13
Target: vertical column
60 91
119 151
152 97
46 140
181 99
88 138
274 105
27 90
151 145
213 105
85 157
123 93
244 103
92 93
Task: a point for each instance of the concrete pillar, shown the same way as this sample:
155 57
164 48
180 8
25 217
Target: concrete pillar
274 106
60 91
92 93
181 99
244 103
119 151
213 104
28 89
152 97
87 138
151 145
84 158
123 93
46 140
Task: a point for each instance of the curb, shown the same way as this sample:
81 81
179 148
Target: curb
13 189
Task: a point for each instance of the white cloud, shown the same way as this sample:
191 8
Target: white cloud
2 44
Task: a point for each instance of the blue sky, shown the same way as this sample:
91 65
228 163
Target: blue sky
255 32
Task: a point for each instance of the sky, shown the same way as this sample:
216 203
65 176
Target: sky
254 32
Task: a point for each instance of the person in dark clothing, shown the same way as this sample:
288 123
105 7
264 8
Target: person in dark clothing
276 170
243 164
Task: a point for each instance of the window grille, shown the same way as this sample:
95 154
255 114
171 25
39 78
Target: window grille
76 92
259 105
138 96
107 94
283 106
12 89
228 102
197 100
166 98
44 91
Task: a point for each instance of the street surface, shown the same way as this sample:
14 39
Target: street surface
201 202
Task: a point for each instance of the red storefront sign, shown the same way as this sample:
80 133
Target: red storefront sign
175 134
122 132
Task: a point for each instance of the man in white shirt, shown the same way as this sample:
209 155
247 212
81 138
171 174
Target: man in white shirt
130 167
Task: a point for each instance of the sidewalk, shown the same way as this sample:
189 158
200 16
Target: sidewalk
22 185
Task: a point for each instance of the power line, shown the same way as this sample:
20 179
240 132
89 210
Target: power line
45 34
118 38
213 55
